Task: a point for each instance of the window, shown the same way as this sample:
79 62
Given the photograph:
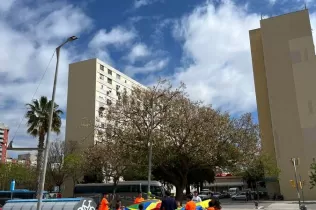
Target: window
310 107
118 76
109 72
296 57
101 76
117 87
125 81
101 67
110 81
118 95
108 102
102 125
108 92
101 87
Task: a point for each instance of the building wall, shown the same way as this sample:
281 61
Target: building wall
263 103
288 55
91 84
81 103
4 135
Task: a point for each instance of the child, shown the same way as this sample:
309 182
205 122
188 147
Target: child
141 207
216 204
211 205
190 205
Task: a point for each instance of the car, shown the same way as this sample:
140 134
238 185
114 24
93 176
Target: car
204 197
225 195
0 207
217 195
240 196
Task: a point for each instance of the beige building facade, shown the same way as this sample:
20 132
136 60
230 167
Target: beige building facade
284 67
92 86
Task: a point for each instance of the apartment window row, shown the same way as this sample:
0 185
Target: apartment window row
118 76
109 80
108 101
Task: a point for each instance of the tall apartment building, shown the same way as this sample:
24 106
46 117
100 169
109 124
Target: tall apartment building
4 135
284 67
92 86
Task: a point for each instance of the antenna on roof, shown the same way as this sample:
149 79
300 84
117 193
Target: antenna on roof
261 16
305 5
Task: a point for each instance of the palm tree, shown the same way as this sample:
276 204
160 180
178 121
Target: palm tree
37 116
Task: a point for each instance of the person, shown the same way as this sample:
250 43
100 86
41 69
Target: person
119 202
179 204
190 205
196 198
140 206
118 206
211 205
139 198
168 203
217 204
104 205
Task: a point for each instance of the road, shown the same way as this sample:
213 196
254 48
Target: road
228 204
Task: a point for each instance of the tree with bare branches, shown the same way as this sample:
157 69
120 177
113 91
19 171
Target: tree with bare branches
185 135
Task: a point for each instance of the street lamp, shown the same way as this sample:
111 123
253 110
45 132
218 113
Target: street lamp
46 150
295 162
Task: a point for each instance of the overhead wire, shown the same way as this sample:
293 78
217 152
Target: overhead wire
39 84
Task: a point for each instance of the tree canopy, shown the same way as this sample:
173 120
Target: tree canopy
186 136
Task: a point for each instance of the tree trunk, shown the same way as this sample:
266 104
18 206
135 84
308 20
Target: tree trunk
179 192
41 140
39 165
187 189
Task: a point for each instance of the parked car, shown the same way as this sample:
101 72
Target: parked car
204 197
217 195
0 207
225 195
240 196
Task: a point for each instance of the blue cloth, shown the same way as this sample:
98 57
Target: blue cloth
168 204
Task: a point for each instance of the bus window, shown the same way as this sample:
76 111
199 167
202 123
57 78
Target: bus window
123 189
136 188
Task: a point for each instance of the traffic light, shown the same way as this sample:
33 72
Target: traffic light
292 182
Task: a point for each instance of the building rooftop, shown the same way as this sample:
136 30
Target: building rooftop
3 126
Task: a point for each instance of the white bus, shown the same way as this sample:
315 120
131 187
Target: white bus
126 191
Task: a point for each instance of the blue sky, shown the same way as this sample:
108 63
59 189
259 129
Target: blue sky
204 44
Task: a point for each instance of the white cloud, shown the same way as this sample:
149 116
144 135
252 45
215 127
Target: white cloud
6 5
26 48
138 51
118 37
149 67
216 41
141 3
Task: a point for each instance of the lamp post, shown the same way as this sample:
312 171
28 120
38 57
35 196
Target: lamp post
46 150
295 162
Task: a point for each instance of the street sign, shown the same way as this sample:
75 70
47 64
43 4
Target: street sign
292 182
302 183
